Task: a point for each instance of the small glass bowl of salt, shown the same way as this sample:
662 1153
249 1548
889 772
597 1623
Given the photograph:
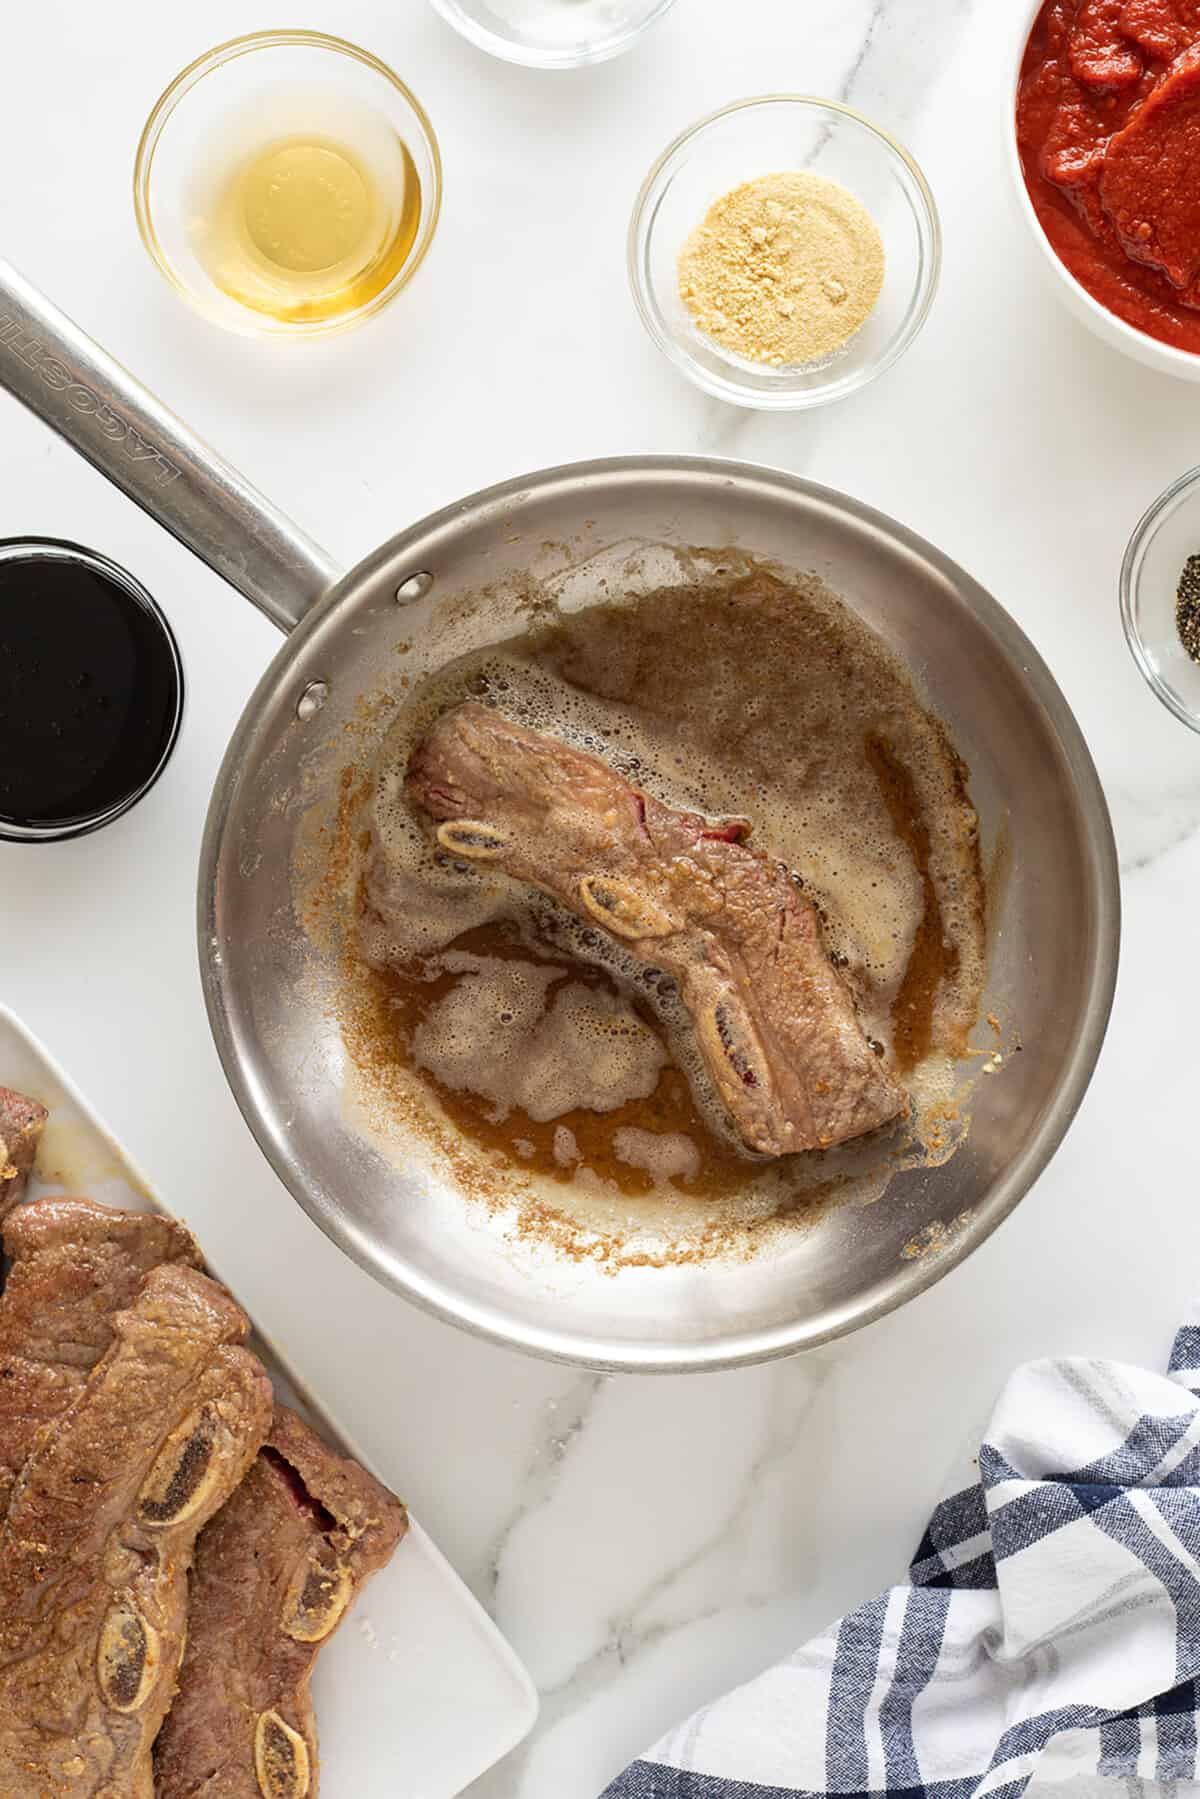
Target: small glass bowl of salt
552 34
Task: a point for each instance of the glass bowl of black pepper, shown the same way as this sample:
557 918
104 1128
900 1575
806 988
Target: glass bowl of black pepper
1160 597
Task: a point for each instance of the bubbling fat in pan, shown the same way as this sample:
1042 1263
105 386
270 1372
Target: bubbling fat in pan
542 1043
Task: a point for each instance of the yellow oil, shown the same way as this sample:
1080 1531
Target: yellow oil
303 227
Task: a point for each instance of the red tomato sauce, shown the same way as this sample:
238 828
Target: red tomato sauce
1108 129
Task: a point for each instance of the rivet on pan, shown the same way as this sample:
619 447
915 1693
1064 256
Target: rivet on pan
312 699
414 587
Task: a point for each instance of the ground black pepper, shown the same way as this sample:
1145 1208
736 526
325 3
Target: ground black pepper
1187 607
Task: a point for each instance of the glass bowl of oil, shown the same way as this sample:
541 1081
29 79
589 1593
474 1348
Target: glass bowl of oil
287 183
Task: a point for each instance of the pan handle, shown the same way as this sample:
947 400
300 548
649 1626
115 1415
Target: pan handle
77 388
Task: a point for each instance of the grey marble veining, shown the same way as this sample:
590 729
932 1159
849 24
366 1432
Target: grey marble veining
905 48
665 1544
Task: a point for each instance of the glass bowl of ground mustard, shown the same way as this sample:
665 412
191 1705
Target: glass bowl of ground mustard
1160 597
784 252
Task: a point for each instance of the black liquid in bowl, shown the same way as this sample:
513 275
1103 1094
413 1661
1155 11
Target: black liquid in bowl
91 690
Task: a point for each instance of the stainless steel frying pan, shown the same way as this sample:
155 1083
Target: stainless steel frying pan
1056 924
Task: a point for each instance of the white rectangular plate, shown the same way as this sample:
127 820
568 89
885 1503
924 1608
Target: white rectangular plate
418 1694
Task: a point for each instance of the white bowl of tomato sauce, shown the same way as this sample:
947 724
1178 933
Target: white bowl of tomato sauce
1105 154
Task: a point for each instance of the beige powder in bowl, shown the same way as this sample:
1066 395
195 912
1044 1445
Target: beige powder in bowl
783 269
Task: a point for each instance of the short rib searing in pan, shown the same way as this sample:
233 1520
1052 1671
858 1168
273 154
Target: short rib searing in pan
774 1020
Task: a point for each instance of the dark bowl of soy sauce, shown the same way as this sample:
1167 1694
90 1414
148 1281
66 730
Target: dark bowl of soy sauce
91 690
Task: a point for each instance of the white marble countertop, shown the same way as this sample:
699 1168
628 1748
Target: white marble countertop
643 1542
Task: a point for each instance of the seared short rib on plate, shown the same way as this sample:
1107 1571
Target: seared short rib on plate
275 1573
73 1265
22 1122
774 1021
96 1544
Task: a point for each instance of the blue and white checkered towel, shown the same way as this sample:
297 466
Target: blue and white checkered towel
1050 1621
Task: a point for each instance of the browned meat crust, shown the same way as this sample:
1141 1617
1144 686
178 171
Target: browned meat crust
22 1122
774 1021
275 1573
101 1523
74 1265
